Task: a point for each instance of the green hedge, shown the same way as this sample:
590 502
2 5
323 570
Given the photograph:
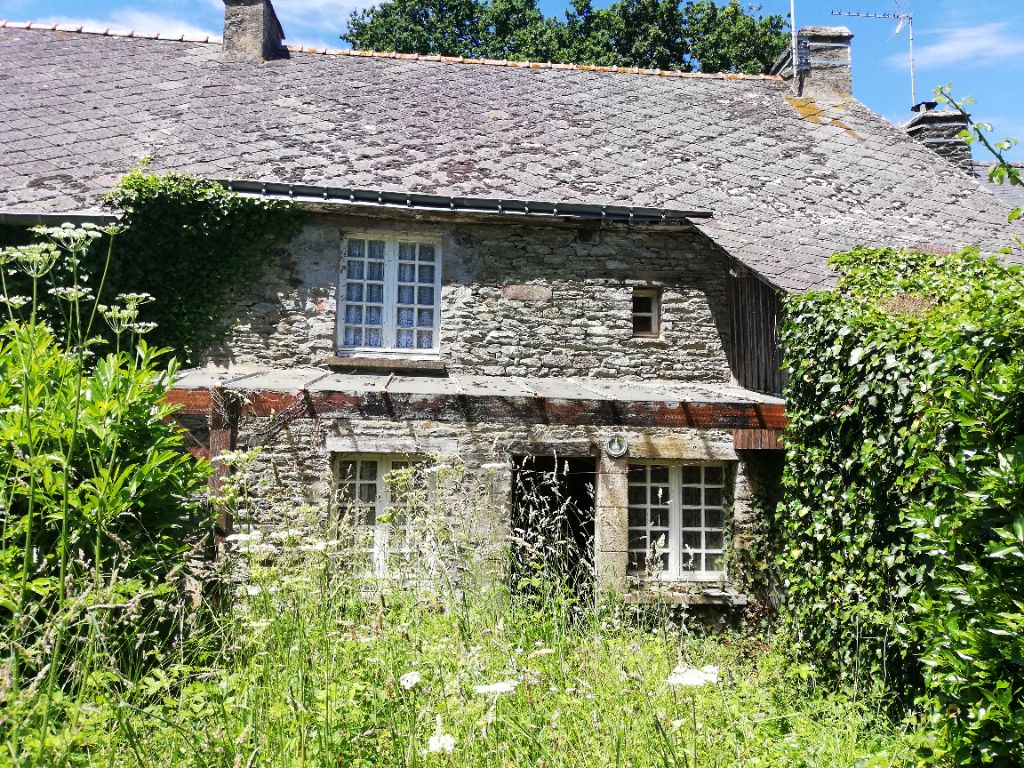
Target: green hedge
902 530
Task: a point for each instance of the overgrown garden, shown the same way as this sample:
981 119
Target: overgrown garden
898 550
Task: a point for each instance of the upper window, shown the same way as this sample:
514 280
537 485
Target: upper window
390 295
677 521
646 312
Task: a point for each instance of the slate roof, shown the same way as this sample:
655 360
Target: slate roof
788 181
1011 196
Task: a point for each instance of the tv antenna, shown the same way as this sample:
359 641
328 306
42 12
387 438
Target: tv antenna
902 19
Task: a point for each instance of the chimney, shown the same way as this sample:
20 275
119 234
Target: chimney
939 130
823 63
251 30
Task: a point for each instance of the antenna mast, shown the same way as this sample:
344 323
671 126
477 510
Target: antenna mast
902 18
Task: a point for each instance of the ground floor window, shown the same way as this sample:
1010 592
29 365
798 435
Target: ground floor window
677 520
374 495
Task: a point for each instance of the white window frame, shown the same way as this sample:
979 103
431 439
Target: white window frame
390 301
382 546
675 571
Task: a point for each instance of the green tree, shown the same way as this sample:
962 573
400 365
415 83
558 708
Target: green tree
700 35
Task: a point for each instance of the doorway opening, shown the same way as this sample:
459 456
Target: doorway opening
553 502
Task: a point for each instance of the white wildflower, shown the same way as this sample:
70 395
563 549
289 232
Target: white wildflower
505 686
410 680
441 742
252 590
540 652
693 677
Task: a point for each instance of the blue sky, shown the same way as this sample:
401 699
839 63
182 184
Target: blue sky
978 45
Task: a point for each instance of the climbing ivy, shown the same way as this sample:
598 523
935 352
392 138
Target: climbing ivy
901 536
192 245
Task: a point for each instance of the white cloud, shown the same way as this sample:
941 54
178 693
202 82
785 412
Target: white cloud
316 22
992 43
130 19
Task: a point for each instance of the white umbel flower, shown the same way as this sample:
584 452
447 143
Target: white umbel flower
441 742
410 680
693 677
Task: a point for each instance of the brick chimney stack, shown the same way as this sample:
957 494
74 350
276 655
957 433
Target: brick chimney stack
823 68
251 30
939 130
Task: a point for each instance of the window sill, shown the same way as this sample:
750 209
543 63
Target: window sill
650 341
682 593
388 364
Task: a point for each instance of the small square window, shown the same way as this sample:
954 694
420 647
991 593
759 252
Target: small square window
646 312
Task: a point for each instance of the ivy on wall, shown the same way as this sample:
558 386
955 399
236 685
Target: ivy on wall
192 245
900 541
188 242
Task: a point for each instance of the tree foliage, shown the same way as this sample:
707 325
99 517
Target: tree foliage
902 533
665 34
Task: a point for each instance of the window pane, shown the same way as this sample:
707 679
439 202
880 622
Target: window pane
637 562
425 295
354 315
713 562
691 518
714 540
375 270
426 252
691 497
713 497
713 475
375 250
637 494
374 315
375 293
405 318
637 473
643 304
425 318
353 337
404 339
355 270
691 475
407 251
425 340
691 540
373 338
637 518
659 474
367 492
714 518
356 249
407 273
427 273
354 292
643 324
346 470
659 518
368 470
406 294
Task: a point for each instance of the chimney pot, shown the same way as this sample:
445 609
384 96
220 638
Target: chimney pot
251 30
822 68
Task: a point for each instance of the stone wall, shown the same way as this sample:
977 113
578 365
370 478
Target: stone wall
517 300
293 476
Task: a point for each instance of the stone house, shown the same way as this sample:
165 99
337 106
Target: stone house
526 267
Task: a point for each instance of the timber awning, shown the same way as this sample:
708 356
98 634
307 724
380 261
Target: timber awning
756 419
